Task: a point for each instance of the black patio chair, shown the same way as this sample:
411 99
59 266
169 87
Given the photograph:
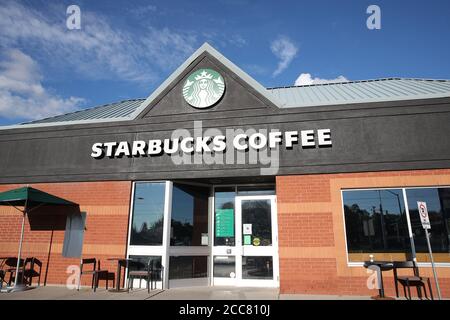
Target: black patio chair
158 272
104 275
2 272
151 273
2 278
409 281
9 267
31 272
96 273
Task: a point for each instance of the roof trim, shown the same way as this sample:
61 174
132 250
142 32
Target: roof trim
62 123
395 89
358 81
373 100
206 47
32 124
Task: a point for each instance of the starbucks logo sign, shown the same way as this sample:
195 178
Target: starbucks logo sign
203 88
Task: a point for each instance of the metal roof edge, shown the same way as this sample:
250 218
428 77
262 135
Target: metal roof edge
206 47
63 123
372 100
358 81
80 111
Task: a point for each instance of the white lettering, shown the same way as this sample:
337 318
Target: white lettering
184 145
109 148
291 137
374 20
236 140
324 137
252 141
201 144
307 137
138 148
97 150
154 147
74 19
123 149
219 143
274 139
171 149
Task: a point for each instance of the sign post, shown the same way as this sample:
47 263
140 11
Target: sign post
424 218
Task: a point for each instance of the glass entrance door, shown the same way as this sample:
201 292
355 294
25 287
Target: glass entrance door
252 258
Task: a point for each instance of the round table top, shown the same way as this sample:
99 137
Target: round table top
384 265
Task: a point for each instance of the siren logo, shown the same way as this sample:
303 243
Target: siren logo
203 88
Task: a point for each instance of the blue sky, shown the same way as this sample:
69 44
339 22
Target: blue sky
125 49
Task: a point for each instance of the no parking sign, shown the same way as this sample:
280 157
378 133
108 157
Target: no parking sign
423 213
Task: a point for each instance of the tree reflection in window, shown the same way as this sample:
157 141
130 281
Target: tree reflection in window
189 214
148 214
438 205
375 221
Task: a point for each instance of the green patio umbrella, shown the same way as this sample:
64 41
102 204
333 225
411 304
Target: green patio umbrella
27 199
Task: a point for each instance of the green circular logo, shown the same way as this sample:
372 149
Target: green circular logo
203 88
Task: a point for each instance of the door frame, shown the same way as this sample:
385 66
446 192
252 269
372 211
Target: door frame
239 250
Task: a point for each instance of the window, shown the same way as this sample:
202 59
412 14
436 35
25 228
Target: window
257 268
148 214
438 205
224 216
255 190
188 267
189 215
257 214
375 221
224 266
140 263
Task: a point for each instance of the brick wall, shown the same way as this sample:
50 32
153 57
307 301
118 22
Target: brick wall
107 208
312 246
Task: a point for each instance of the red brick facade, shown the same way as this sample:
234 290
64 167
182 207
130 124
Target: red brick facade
107 209
312 247
313 256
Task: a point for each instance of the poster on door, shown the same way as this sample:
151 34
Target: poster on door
247 228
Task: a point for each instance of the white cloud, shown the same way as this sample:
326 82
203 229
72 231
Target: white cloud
306 79
100 50
22 94
237 40
285 50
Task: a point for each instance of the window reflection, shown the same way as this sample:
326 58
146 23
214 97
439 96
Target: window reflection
148 214
141 263
375 221
224 266
257 214
189 215
257 268
223 200
438 205
188 267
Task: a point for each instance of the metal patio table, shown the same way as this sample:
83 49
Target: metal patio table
382 266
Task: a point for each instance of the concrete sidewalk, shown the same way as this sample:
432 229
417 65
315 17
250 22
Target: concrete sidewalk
192 293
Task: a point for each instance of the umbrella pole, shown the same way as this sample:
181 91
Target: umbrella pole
20 250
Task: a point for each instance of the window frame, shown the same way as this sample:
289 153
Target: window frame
155 250
408 218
